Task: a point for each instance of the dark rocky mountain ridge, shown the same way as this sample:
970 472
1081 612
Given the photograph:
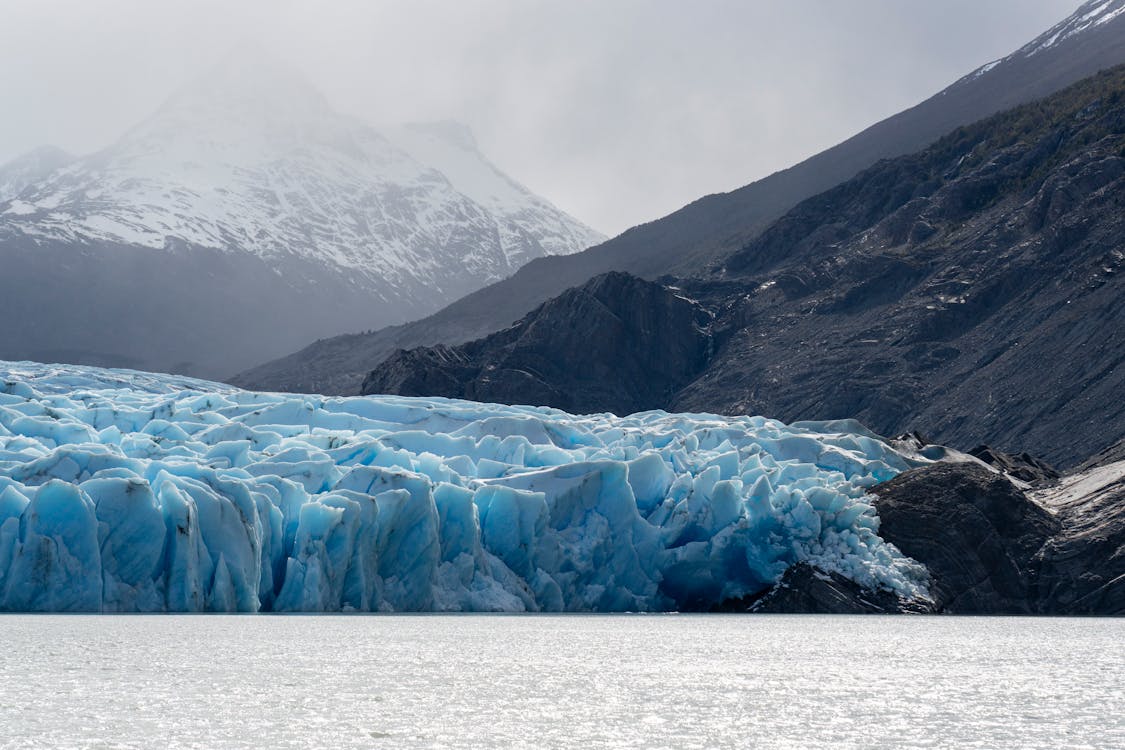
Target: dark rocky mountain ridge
716 225
971 291
589 349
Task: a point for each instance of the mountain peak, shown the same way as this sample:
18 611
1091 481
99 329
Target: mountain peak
450 131
250 166
29 168
250 80
1090 16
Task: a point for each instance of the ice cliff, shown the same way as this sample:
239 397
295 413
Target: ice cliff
127 491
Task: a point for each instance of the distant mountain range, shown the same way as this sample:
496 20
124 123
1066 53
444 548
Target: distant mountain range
713 227
246 216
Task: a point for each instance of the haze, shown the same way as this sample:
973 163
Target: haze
618 112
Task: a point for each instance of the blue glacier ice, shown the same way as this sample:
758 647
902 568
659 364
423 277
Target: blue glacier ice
124 491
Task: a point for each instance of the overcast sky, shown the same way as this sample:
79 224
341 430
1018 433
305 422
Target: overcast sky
619 111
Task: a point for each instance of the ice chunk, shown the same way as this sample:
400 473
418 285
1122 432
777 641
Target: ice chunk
130 540
56 565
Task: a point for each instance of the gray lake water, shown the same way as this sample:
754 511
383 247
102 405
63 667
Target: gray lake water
560 681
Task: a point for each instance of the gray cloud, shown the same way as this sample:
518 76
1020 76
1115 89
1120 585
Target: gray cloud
619 111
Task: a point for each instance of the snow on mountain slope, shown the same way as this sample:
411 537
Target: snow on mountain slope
128 491
251 159
1092 14
245 218
23 171
451 149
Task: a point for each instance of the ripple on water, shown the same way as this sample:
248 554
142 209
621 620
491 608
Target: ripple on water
561 681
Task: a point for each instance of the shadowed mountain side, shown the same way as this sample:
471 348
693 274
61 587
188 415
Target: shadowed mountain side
709 228
971 291
589 349
192 310
1108 455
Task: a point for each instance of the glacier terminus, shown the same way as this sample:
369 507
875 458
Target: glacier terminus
131 492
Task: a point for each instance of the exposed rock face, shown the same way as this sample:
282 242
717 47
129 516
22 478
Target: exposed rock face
992 549
974 530
970 291
1083 568
1023 467
805 589
588 350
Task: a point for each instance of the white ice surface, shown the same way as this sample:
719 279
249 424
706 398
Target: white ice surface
126 491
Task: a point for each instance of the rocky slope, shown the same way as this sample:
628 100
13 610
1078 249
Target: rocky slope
258 199
589 349
1083 570
972 291
1111 454
991 547
712 227
975 531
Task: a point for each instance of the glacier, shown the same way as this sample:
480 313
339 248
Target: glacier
123 491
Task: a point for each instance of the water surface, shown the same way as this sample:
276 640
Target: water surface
560 681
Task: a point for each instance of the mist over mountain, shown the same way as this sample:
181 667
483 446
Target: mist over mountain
1091 39
278 219
23 171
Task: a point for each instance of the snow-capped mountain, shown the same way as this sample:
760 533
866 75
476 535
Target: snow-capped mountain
30 168
250 164
1088 17
251 159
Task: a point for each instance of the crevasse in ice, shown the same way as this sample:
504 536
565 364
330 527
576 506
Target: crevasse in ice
126 491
